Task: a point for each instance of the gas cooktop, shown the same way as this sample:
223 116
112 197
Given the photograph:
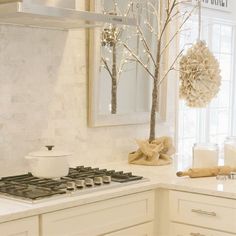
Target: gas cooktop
80 180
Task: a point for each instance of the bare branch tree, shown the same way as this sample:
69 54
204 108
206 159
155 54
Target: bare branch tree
159 16
111 41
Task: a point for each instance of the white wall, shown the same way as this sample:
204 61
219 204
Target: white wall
43 94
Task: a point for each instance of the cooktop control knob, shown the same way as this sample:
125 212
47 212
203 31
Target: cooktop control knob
80 183
98 180
106 179
70 186
89 182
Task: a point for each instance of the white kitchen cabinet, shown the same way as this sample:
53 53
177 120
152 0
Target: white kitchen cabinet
23 227
186 230
202 211
101 217
140 230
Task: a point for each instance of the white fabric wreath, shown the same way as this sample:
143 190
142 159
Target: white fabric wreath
199 76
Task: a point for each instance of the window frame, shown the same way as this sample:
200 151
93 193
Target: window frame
204 126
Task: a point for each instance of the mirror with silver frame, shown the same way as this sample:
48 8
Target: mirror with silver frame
119 88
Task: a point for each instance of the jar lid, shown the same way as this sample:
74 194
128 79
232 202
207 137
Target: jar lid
49 152
206 146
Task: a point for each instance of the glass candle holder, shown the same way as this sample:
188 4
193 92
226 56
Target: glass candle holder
205 155
230 151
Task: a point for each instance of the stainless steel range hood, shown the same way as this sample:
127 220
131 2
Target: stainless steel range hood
57 14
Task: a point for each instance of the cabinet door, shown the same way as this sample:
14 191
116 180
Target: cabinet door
185 230
101 217
140 230
204 211
23 227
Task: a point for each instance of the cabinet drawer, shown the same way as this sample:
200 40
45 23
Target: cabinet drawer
139 230
23 227
101 217
185 230
206 211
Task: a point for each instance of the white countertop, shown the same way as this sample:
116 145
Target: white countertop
160 177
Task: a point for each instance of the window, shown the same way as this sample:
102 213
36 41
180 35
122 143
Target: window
214 123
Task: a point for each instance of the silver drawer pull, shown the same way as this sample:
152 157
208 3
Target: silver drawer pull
204 212
197 234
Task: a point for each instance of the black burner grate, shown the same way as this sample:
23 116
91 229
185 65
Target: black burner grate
116 176
29 187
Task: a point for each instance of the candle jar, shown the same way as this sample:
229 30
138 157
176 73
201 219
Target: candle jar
205 155
230 151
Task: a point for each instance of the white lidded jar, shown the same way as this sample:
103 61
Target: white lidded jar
49 163
205 155
230 151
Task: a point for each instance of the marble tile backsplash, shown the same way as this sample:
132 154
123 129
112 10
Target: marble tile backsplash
43 99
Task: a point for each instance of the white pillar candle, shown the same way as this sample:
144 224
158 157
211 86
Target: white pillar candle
205 155
230 151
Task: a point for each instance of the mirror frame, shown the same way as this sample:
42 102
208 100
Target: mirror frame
96 120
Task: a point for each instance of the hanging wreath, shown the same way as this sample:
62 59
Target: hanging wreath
199 76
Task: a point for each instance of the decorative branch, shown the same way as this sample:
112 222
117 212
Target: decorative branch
147 48
170 68
139 60
179 30
106 66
